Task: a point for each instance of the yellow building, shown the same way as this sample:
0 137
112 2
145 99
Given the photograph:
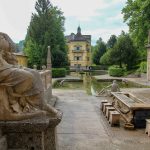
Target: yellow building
79 50
22 59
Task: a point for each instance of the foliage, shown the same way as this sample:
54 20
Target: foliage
58 72
46 28
116 71
112 41
107 58
143 67
136 14
123 52
99 67
98 51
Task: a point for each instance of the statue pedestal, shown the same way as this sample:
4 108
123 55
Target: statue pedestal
31 134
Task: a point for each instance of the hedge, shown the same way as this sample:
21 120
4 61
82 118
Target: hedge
58 72
116 71
143 67
99 67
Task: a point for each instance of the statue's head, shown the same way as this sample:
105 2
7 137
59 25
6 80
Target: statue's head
114 81
7 47
6 43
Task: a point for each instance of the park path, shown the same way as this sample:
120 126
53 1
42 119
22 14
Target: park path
83 126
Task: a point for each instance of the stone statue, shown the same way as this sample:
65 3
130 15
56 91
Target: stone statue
35 67
114 87
21 89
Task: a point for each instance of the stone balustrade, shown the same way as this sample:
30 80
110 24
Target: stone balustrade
46 78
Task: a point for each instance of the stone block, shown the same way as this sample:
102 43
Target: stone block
108 109
106 105
147 129
32 134
102 104
114 118
3 143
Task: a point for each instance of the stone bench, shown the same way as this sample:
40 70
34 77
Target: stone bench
108 109
147 129
114 118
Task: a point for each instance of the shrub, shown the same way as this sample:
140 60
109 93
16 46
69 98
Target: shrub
143 67
99 67
138 72
116 71
58 72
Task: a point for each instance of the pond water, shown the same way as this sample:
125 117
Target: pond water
90 84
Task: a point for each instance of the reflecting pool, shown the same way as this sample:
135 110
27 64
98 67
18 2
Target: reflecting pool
90 84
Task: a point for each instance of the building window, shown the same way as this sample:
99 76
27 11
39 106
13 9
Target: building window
77 47
77 65
77 57
88 58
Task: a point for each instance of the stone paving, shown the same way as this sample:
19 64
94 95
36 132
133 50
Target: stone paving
84 127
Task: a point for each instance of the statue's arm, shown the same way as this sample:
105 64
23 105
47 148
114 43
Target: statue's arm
11 92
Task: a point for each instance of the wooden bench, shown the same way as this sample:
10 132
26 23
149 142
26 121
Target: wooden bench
108 109
147 129
114 118
102 104
106 105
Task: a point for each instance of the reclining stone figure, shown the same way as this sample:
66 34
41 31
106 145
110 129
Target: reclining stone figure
21 89
114 87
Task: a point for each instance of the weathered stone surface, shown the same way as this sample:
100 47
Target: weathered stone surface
3 143
31 134
21 89
132 109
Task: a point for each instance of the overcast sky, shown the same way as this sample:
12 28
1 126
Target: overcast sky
99 18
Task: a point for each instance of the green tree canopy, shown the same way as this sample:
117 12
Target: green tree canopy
46 28
111 42
123 52
137 15
98 50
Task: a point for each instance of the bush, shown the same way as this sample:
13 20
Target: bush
58 72
116 71
143 67
99 67
67 67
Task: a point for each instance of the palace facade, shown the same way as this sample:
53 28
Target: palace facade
79 50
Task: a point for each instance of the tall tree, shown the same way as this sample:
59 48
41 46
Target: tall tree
123 52
98 51
46 28
137 15
112 41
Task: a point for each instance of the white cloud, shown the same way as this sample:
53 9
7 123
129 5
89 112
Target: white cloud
82 10
15 16
105 33
118 17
